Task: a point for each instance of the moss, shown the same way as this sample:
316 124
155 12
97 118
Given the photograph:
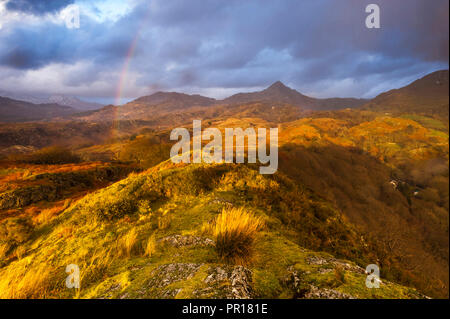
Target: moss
266 284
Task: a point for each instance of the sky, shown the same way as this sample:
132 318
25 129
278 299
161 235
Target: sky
124 49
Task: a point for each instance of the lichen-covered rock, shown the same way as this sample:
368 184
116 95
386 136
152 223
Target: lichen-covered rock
325 293
187 241
294 282
167 274
222 281
222 202
229 282
316 260
320 261
303 290
111 291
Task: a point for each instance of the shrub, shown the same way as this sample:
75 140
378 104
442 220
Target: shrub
16 229
234 231
4 249
116 208
146 152
50 155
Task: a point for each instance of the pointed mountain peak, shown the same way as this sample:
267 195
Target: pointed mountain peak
278 85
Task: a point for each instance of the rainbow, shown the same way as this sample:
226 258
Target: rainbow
124 74
126 65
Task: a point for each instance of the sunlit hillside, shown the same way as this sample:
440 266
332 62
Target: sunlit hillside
148 236
355 186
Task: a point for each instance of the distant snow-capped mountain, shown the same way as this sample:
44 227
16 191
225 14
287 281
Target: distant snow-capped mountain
60 99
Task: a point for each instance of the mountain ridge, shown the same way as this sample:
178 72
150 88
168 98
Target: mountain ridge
60 99
20 111
279 92
428 95
161 104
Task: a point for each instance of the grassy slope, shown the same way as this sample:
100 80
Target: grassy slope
168 200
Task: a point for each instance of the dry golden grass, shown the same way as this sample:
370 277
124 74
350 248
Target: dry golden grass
4 248
20 252
47 215
65 231
96 267
150 247
164 221
234 231
128 244
20 283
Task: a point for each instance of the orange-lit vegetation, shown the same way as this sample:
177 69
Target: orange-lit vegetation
369 185
48 155
234 232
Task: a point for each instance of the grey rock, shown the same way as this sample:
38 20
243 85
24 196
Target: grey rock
228 282
187 241
167 274
325 293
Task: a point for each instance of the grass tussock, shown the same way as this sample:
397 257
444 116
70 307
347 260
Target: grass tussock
128 244
339 274
234 232
150 247
96 268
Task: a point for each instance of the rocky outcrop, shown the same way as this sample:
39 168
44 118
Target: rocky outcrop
316 260
222 281
230 282
187 241
303 290
170 273
325 293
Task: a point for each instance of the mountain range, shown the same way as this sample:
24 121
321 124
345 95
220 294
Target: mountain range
367 182
278 92
164 103
428 94
60 99
21 111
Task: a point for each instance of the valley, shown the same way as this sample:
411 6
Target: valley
359 182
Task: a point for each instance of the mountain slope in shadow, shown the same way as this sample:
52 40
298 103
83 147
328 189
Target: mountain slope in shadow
20 111
427 96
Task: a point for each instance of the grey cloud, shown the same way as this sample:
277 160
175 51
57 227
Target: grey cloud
37 7
245 44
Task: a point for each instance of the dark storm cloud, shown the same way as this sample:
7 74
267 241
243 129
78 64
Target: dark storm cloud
37 7
311 45
31 49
